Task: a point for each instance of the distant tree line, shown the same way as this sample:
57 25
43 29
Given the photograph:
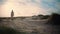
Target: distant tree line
40 16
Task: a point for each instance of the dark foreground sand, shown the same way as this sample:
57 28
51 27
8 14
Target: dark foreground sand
30 26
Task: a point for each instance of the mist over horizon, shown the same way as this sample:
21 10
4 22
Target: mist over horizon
29 7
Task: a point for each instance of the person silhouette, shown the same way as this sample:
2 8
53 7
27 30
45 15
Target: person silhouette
12 15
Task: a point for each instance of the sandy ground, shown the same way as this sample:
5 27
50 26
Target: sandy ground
31 26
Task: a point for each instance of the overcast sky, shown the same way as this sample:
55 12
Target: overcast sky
28 7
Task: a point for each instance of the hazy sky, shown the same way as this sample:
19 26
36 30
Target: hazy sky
28 7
